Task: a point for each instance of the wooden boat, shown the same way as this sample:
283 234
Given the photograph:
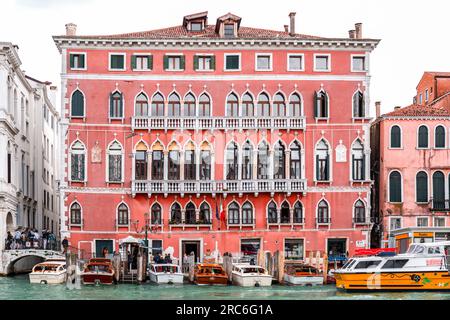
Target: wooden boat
247 275
98 271
210 274
52 271
302 274
166 273
425 266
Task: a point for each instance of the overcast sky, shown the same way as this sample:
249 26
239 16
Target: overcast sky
415 34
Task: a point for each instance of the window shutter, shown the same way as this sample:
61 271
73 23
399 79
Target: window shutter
353 167
111 105
121 106
133 62
166 62
195 62
316 105
355 105
363 168
317 167
71 61
327 168
213 63
150 62
325 102
182 62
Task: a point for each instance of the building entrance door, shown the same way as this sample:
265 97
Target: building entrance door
103 245
191 246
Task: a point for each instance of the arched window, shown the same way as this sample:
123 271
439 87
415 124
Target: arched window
175 213
438 190
285 213
396 137
295 106
115 162
422 140
189 106
157 105
263 161
263 107
157 162
395 187
298 212
360 212
279 161
77 104
156 214
75 214
189 162
323 212
205 162
122 215
247 162
232 161
233 213
279 106
78 161
174 105
358 105
358 161
272 213
232 105
247 213
422 187
320 104
439 137
140 162
190 216
205 213
247 106
174 162
204 106
322 161
141 106
296 164
116 105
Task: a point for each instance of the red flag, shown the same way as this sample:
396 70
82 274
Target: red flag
222 213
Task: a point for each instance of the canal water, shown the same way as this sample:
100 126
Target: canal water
19 287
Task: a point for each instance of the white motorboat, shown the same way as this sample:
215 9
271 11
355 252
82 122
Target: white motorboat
246 275
304 275
166 273
49 272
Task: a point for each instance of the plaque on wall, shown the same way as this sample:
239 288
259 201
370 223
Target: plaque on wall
341 153
96 154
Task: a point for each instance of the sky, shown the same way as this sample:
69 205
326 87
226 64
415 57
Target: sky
414 34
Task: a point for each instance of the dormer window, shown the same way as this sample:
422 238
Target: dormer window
229 30
196 26
227 26
196 22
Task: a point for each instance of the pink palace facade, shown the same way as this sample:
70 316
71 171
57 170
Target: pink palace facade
217 138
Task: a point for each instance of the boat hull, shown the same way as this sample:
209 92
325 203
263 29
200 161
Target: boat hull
94 278
303 280
252 280
56 278
211 280
430 280
166 278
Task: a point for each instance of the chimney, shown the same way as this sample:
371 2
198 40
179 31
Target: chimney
358 29
286 28
378 109
71 29
292 17
351 34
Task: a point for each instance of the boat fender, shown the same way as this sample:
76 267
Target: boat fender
415 277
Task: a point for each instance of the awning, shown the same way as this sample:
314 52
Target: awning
129 239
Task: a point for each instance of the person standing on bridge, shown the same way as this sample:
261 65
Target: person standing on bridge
65 244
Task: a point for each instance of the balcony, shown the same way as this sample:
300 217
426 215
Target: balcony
440 205
221 123
361 221
231 223
187 223
217 186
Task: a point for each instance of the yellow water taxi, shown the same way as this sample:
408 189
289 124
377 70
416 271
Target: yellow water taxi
425 266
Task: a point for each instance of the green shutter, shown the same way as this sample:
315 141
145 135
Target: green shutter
166 62
71 61
150 62
182 62
195 62
133 62
438 187
81 60
421 187
213 63
395 187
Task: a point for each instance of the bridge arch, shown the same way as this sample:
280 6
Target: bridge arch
22 261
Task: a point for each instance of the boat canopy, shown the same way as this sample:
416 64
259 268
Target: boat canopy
129 239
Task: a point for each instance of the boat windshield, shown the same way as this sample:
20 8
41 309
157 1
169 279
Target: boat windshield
434 250
46 268
416 249
97 268
252 270
347 263
171 269
211 270
367 264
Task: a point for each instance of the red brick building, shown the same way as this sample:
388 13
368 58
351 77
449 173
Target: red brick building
220 137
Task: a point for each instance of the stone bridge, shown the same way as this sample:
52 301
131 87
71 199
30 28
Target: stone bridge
16 261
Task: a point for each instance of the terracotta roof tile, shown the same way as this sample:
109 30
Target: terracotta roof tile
415 110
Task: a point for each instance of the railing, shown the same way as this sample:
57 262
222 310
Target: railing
187 123
323 220
360 220
241 222
230 186
193 223
440 205
285 221
123 223
337 257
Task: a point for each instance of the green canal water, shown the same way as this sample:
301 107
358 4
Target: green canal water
18 287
